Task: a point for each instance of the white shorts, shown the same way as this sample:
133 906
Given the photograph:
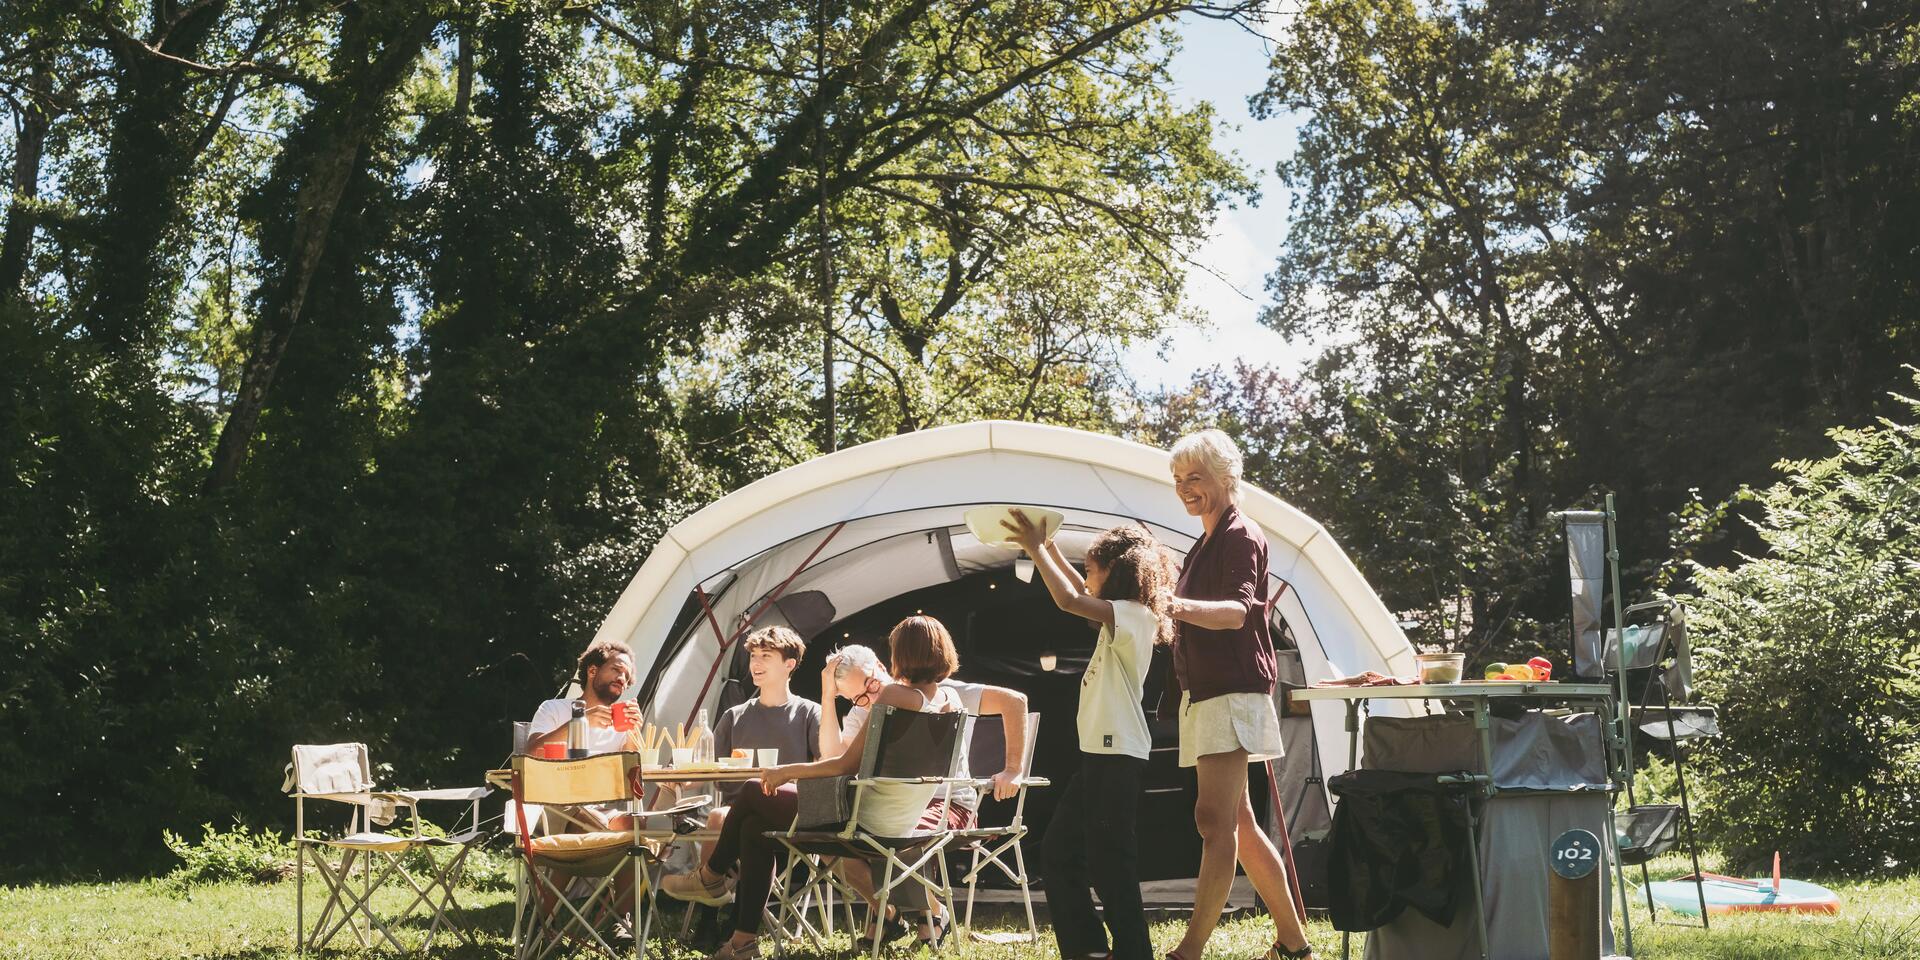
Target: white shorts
1229 722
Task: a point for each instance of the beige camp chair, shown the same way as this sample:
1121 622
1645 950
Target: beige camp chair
990 844
569 889
340 773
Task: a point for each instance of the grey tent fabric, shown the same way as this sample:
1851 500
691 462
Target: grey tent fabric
1552 774
1587 566
1303 794
1532 752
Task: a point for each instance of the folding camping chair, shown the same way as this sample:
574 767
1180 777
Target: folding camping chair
793 896
989 844
1653 649
340 773
569 886
903 746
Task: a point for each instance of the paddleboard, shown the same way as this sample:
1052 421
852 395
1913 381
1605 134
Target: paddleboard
1734 895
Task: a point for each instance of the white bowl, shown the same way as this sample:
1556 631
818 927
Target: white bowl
985 522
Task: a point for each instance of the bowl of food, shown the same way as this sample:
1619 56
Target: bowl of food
1440 667
986 523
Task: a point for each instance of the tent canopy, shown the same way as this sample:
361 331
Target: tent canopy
822 541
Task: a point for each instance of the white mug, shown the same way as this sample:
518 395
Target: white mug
769 757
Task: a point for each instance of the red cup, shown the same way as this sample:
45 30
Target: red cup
623 716
553 751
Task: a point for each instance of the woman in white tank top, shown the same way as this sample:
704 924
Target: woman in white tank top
923 655
894 809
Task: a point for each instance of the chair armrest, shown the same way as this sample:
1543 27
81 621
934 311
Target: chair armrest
445 793
685 806
979 782
869 781
357 799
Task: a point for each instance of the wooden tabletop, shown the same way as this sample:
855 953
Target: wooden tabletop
701 774
504 777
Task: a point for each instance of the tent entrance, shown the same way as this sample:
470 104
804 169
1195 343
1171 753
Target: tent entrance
1001 626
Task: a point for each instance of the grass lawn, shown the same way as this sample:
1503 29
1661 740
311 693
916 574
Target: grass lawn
152 919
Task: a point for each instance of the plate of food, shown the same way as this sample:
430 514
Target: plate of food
986 522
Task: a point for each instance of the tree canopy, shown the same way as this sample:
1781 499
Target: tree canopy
1566 248
363 349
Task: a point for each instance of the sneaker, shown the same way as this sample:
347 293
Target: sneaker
691 887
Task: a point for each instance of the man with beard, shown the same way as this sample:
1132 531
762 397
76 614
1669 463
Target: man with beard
605 672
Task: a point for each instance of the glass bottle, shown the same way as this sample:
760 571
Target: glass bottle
703 741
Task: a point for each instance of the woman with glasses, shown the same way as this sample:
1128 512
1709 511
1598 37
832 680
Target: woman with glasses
853 673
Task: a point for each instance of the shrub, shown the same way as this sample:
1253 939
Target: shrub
238 855
488 870
1812 651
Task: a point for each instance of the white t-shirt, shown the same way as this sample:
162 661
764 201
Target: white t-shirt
969 693
555 714
1111 719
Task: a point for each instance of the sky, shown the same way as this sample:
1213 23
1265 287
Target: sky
1224 64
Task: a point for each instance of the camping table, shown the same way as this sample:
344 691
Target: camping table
504 778
1480 696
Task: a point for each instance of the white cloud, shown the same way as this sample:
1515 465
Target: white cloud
1223 64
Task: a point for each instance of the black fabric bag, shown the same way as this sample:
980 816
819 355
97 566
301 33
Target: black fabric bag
1399 840
823 802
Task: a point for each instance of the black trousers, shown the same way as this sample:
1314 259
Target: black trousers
1092 846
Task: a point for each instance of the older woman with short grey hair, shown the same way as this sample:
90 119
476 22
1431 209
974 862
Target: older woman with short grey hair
1224 675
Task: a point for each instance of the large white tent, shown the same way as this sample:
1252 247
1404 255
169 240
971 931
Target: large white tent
883 519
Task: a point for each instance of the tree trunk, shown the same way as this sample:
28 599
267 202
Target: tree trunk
350 108
147 168
28 148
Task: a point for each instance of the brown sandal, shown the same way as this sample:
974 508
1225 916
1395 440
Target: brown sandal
1277 952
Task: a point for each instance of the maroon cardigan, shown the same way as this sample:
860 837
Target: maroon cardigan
1229 564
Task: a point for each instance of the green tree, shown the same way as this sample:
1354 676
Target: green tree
1575 247
1812 650
366 348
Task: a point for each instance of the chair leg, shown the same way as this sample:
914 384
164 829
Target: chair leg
973 883
519 899
576 918
299 893
642 920
1026 891
337 881
946 885
355 908
444 879
880 910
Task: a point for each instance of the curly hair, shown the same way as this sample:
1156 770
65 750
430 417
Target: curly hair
1138 569
597 653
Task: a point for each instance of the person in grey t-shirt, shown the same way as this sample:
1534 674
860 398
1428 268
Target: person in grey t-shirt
774 719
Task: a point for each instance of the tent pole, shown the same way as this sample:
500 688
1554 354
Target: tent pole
1623 709
714 670
1620 648
1286 845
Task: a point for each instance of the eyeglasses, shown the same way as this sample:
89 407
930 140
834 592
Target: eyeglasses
873 690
